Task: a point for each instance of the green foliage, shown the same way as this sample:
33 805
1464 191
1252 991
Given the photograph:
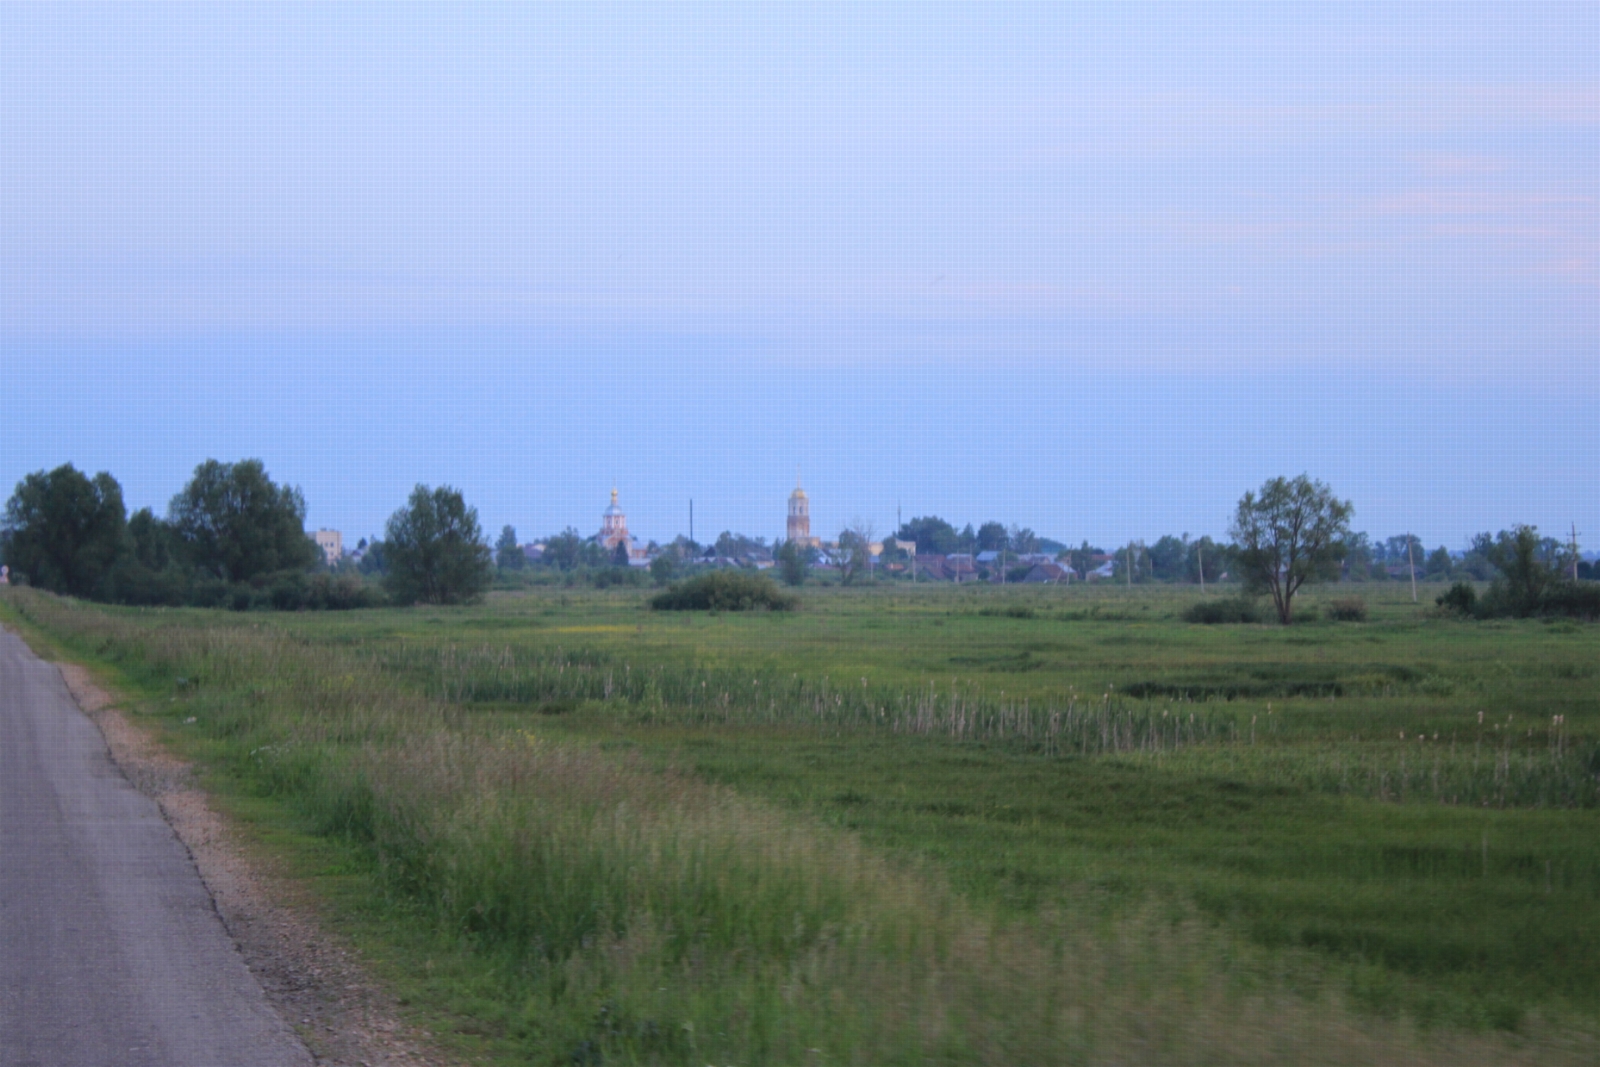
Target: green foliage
1239 609
616 575
725 590
508 554
1524 576
1208 561
855 550
1460 598
1081 559
435 550
1291 533
237 525
151 569
64 530
1528 580
1169 558
152 543
564 550
1578 600
794 563
739 547
1134 555
1348 609
375 560
932 534
664 568
323 592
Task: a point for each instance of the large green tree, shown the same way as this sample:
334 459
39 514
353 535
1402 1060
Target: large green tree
237 524
564 550
932 534
508 555
1291 532
1525 574
794 562
992 537
855 551
1169 558
63 529
1207 561
436 553
1082 558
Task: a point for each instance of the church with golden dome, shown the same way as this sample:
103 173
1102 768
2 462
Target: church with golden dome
799 529
614 526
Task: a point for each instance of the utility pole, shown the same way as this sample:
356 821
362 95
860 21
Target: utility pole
1412 565
1130 564
691 520
1574 551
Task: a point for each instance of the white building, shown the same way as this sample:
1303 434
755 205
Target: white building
332 544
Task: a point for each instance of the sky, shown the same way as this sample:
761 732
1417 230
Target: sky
1091 269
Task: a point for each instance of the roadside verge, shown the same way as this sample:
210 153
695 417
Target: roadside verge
310 976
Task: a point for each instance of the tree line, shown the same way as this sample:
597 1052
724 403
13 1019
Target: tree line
233 538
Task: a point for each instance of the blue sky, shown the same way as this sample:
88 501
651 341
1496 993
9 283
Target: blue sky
1091 269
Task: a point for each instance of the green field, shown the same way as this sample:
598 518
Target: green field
917 824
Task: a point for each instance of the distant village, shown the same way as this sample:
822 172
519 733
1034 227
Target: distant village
997 554
234 538
896 556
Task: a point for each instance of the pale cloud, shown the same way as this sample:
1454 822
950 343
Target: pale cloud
1462 166
1501 233
1438 201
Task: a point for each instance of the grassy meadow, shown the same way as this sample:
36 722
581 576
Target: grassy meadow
908 825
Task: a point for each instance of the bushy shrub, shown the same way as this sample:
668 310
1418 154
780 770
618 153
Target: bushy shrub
1460 598
1225 610
341 592
725 591
209 593
130 582
288 592
1556 598
1348 609
607 577
1578 600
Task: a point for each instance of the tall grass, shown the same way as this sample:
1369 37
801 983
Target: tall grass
621 913
1539 766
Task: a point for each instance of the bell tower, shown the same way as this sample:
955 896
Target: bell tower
799 529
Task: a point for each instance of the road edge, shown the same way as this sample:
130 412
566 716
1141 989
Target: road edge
310 975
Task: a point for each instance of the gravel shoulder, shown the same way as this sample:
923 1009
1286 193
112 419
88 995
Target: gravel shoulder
313 979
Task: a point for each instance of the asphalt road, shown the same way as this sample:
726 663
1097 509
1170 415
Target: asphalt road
111 952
